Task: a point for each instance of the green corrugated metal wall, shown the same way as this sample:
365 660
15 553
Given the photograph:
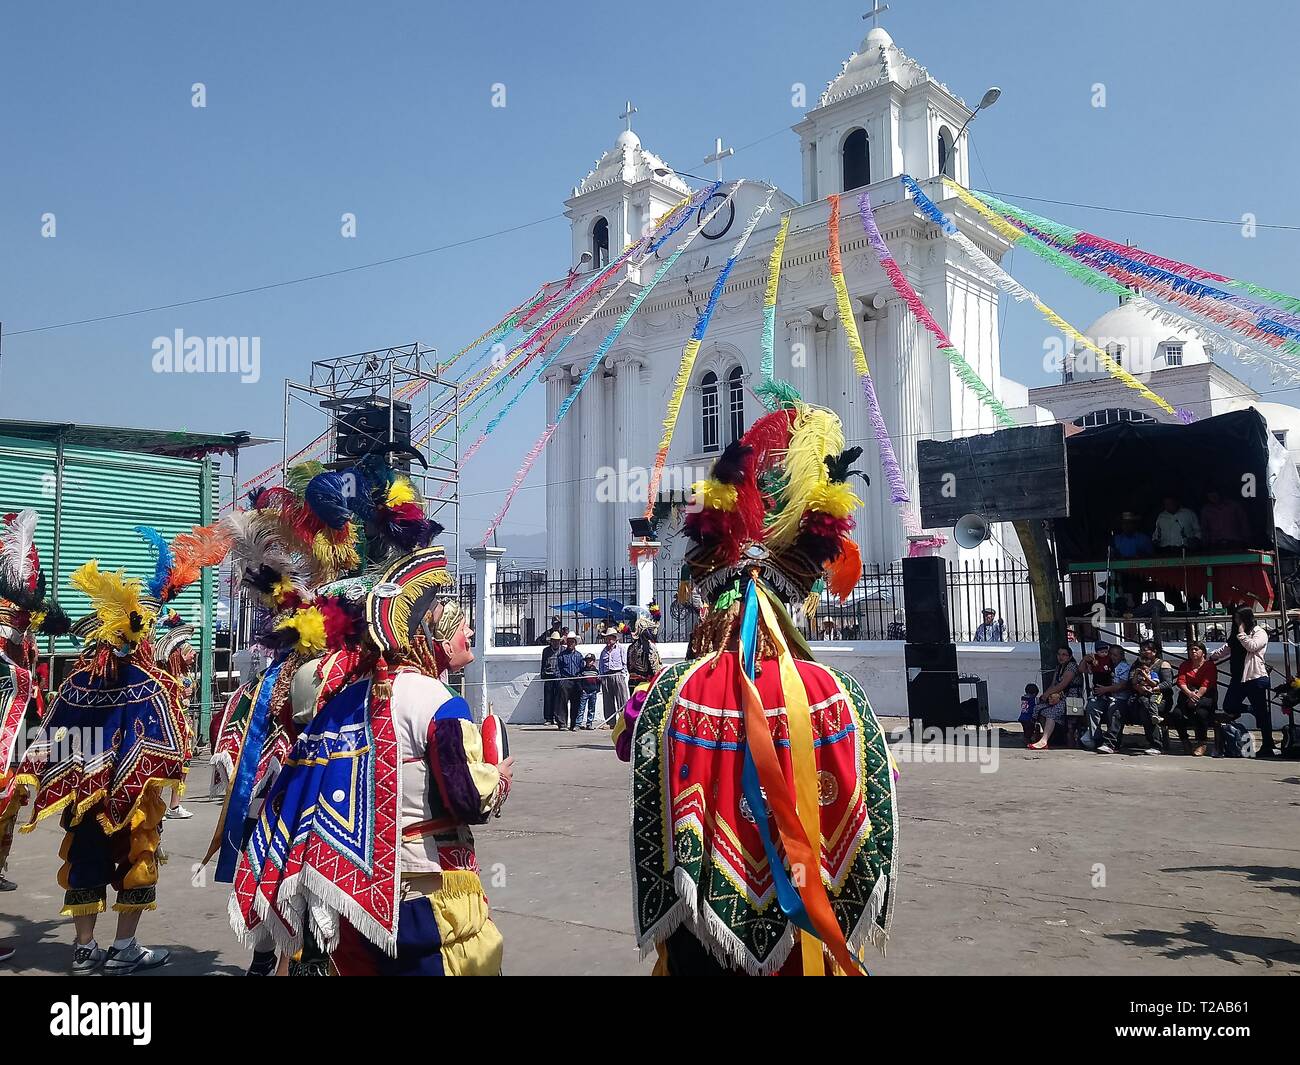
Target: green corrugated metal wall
105 495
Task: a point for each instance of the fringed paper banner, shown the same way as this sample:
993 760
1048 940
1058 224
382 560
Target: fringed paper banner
649 247
768 361
1199 315
665 226
966 373
1017 291
888 461
600 353
692 347
1068 235
507 325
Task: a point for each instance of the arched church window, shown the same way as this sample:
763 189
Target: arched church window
710 427
1112 416
736 403
600 244
947 157
855 157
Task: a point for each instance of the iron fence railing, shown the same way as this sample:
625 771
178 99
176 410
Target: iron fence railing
529 603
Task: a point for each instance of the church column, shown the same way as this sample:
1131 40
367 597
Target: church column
907 413
623 452
557 475
801 352
589 516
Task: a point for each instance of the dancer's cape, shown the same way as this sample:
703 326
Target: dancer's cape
325 847
110 736
17 688
700 858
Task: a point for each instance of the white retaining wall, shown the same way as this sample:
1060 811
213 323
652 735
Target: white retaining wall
515 691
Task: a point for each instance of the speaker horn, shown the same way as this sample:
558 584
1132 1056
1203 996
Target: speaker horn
971 530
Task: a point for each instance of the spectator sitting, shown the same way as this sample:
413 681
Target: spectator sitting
1153 684
1176 527
1110 697
1129 542
828 629
1197 697
1223 521
1066 682
991 630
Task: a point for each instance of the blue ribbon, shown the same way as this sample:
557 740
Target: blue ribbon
241 788
787 895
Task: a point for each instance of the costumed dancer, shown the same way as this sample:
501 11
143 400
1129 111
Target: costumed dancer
363 859
763 810
174 652
24 612
113 740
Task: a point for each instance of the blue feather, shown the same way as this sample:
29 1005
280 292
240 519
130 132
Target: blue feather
162 559
328 495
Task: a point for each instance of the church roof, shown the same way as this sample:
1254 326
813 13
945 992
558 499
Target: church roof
630 163
878 60
1135 325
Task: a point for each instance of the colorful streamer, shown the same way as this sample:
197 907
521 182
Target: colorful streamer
559 350
692 348
888 461
596 358
768 361
1201 313
1017 291
1067 235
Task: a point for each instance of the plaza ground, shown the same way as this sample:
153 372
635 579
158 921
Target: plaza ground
1056 863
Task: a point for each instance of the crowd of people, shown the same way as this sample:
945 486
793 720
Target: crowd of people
573 684
1089 702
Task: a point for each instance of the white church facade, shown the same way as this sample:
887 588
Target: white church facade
884 115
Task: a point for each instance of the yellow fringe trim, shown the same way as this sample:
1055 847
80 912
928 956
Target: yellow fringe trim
120 907
715 495
83 910
459 883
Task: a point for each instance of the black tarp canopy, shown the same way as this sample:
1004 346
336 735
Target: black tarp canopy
1133 466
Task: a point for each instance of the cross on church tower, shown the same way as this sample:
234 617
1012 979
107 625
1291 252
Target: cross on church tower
877 9
719 153
627 114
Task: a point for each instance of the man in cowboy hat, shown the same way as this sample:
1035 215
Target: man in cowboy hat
613 676
552 688
569 666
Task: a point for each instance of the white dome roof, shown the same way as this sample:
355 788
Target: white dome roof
630 163
878 60
1139 339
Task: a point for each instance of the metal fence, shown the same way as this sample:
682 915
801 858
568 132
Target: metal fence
529 603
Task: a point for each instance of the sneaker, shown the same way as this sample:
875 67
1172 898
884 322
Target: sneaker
179 812
263 963
1105 748
1198 751
1153 750
7 885
86 959
125 960
6 953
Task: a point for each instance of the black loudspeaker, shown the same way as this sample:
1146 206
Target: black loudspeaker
362 427
932 694
925 600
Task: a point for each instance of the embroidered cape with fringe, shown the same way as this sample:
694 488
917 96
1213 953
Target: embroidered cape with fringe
17 686
697 856
326 846
110 736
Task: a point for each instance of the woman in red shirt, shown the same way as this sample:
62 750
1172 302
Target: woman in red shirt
1197 697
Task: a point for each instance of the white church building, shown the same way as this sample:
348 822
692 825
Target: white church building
882 116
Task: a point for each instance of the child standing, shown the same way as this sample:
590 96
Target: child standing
590 689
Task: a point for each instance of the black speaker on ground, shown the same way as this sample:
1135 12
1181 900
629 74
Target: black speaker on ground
932 694
925 599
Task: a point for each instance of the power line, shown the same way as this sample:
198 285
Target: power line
285 284
1145 214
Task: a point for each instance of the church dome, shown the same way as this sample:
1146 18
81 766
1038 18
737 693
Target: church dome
628 162
1139 341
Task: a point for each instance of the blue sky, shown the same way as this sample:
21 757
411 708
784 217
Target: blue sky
384 110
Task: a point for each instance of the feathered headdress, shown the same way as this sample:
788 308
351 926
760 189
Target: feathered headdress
23 605
118 603
265 562
778 500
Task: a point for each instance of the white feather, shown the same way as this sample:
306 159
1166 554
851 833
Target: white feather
16 540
